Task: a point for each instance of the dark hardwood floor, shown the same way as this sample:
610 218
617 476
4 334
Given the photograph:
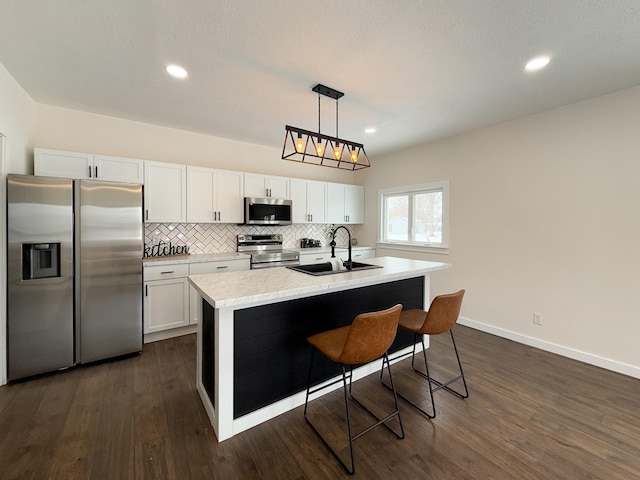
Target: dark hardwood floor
530 415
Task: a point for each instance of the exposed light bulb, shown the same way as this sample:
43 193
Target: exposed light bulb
337 153
354 155
299 144
319 148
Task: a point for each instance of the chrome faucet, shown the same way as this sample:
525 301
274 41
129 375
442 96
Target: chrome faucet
349 263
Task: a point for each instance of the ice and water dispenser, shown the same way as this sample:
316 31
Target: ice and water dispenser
40 260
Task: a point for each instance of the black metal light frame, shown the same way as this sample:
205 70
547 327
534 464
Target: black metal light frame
355 158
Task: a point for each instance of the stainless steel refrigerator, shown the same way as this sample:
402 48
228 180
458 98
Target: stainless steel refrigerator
74 272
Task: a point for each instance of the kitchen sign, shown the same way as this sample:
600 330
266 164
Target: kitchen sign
162 249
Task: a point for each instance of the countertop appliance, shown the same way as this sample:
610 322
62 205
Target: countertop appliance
266 250
74 272
309 243
267 211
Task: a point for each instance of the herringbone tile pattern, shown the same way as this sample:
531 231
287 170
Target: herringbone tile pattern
213 237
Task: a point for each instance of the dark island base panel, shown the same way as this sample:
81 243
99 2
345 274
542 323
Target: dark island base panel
208 351
271 355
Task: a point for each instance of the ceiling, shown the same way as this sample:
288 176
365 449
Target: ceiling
415 70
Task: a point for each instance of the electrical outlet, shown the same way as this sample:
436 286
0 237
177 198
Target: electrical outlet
537 318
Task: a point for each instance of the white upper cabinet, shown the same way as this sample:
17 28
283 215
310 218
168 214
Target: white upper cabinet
214 196
165 192
309 199
118 169
335 203
57 163
345 203
354 203
257 185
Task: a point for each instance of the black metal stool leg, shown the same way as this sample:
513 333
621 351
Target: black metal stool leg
430 380
446 384
347 390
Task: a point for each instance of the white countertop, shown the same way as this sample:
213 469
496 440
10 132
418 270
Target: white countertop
254 287
195 258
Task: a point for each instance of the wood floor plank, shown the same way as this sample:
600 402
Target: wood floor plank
76 442
530 415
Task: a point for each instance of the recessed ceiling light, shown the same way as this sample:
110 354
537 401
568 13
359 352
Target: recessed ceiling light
370 130
537 63
176 71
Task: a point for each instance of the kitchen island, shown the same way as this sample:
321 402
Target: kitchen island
252 357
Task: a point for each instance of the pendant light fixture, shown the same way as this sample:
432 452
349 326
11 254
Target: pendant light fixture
317 148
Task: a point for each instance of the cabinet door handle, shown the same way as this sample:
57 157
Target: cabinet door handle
147 214
96 167
168 271
89 171
318 258
223 266
146 290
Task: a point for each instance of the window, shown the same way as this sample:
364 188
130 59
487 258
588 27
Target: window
415 216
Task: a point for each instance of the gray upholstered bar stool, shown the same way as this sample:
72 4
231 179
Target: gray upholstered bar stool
367 339
440 318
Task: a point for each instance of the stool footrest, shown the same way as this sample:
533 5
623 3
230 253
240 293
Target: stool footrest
348 396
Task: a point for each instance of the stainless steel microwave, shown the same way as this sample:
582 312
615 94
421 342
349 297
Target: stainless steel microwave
267 211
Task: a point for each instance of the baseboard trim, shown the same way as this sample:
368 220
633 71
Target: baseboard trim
171 333
579 355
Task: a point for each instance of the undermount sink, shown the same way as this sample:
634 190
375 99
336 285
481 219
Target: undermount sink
327 268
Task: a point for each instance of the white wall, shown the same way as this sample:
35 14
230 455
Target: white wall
545 217
17 114
73 130
17 117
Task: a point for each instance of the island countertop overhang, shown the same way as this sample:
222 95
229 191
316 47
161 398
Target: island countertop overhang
252 287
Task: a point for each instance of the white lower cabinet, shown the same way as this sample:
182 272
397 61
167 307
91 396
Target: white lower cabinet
318 257
169 300
210 267
166 297
357 254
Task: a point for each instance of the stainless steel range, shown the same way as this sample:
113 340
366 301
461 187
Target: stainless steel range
266 250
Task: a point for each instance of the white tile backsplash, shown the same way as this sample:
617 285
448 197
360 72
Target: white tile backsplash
214 237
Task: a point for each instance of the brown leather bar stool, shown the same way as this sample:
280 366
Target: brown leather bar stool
441 317
367 339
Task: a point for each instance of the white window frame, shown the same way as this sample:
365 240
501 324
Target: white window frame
443 247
